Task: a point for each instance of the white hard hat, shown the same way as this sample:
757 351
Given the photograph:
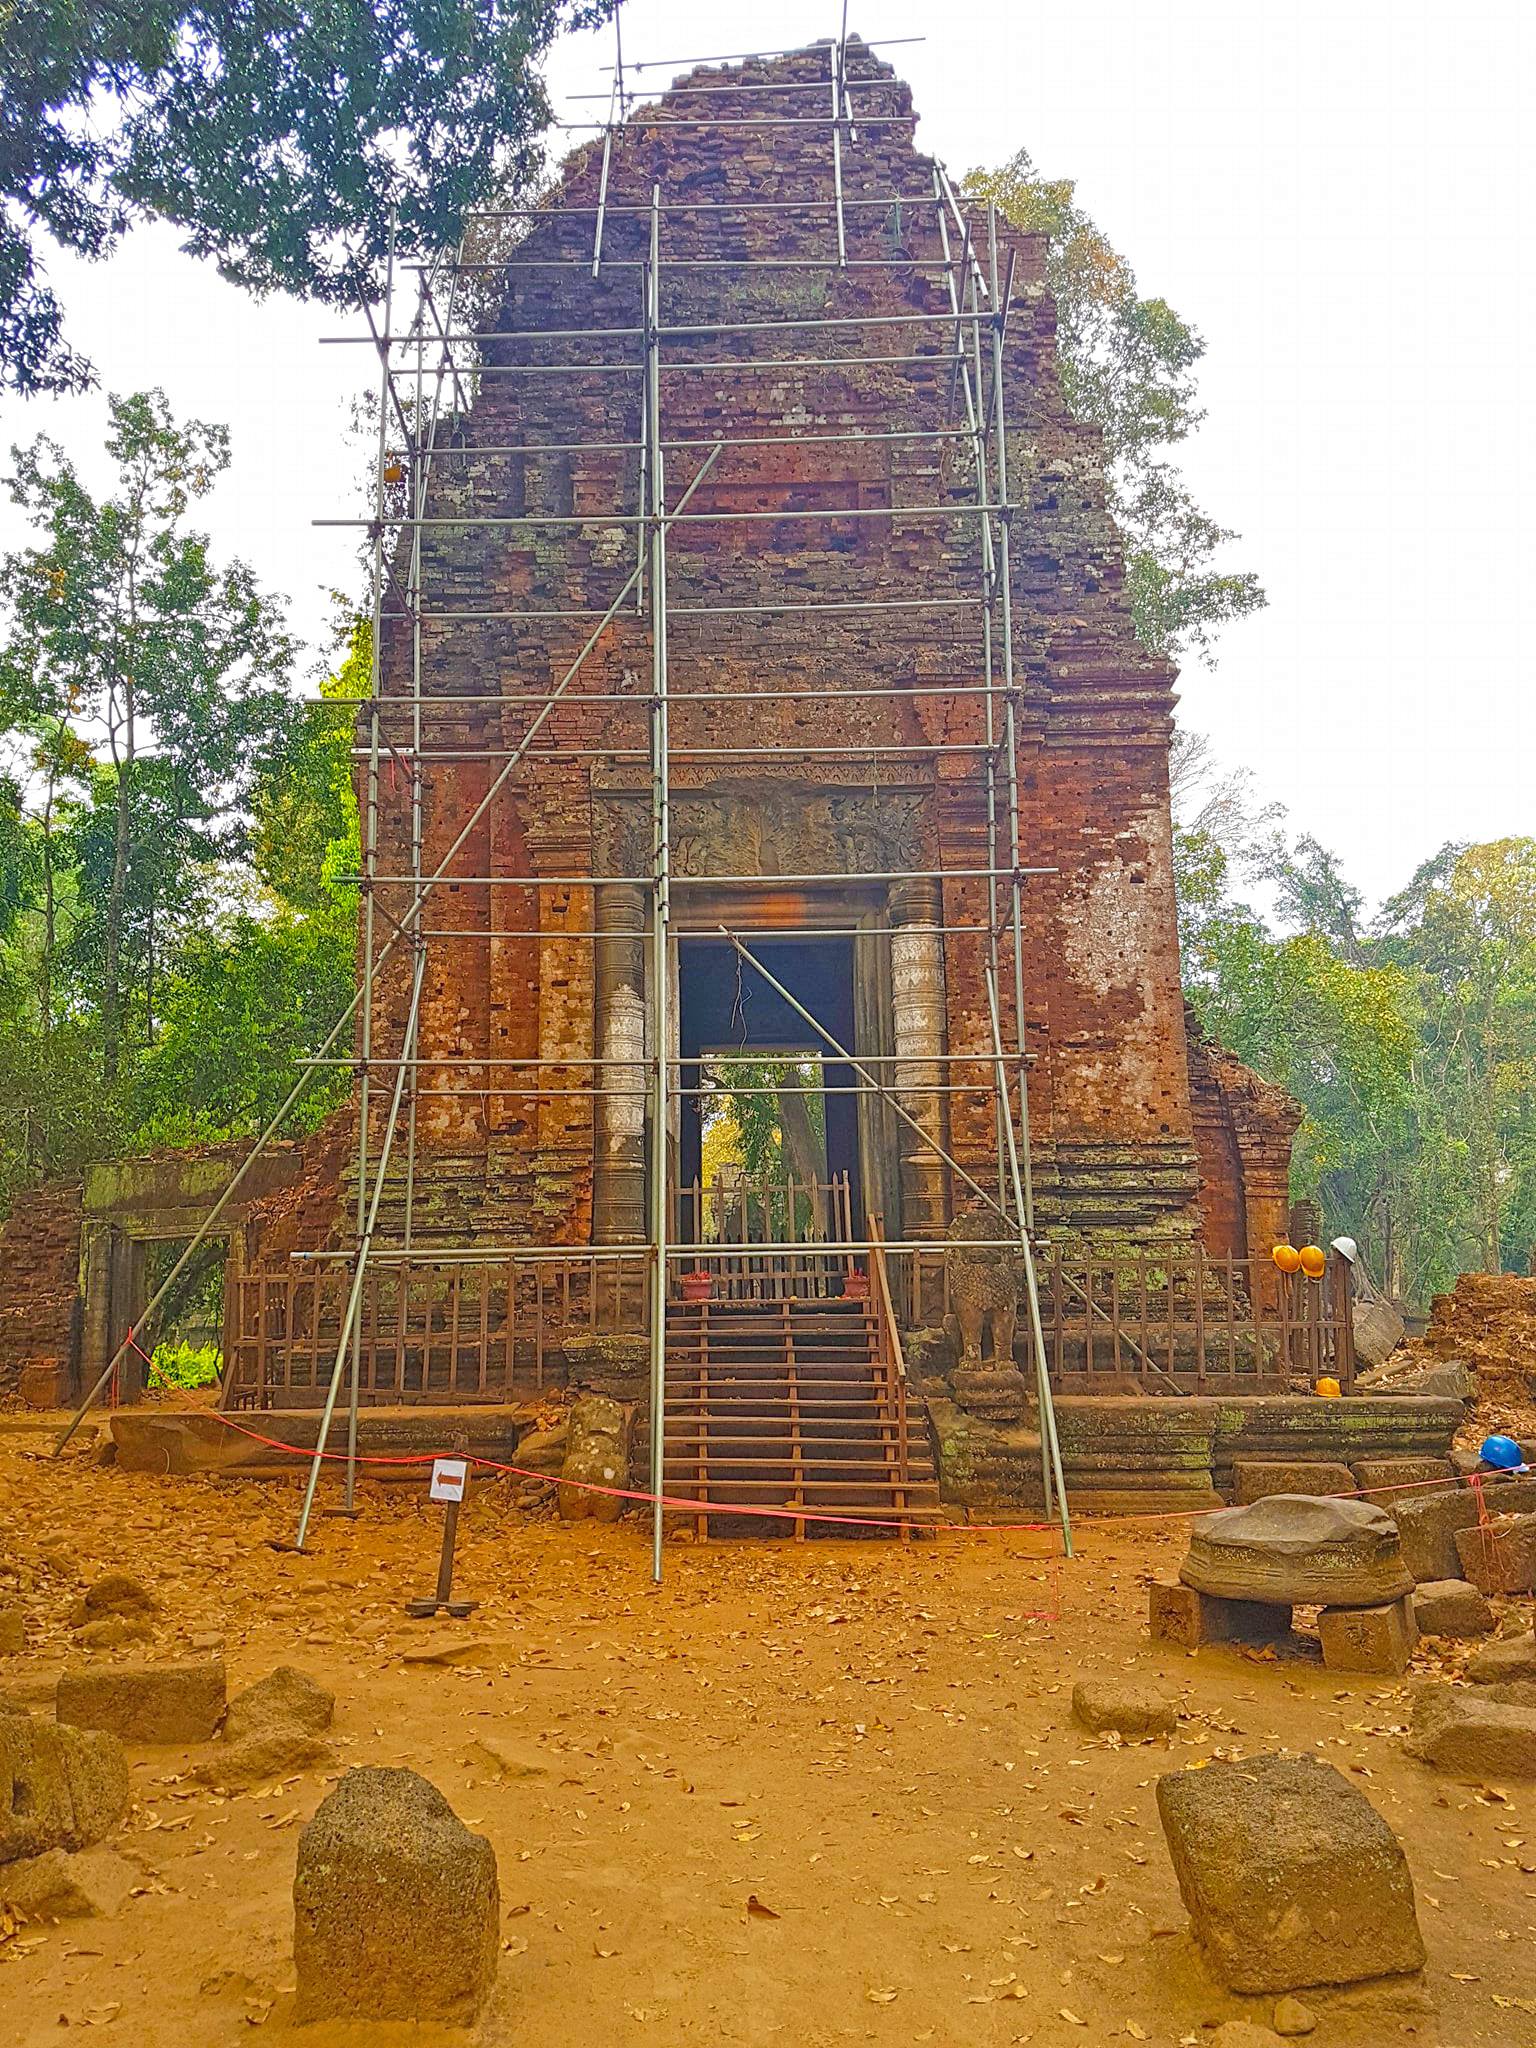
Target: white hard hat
1346 1248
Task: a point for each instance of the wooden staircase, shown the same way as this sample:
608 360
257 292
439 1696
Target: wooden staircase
791 1404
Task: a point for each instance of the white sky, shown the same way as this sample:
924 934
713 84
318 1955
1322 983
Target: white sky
1337 194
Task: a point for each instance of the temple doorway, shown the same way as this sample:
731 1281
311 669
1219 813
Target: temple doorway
768 1137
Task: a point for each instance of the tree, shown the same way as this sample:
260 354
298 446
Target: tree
118 628
1409 1039
281 137
1127 366
1466 926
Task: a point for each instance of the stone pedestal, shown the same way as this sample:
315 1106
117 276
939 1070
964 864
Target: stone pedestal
998 1392
1380 1639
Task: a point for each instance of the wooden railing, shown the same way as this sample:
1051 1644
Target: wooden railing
890 1359
431 1330
1155 1319
804 1222
1166 1318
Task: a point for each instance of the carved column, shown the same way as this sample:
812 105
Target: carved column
917 1017
618 1176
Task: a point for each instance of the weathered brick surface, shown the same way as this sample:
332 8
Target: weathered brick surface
40 1261
1113 1131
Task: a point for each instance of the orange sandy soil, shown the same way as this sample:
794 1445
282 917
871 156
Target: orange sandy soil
870 1741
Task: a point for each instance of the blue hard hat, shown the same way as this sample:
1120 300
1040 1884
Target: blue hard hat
1503 1452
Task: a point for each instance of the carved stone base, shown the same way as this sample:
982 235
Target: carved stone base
996 1391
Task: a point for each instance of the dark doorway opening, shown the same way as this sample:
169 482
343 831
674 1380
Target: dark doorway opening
731 1022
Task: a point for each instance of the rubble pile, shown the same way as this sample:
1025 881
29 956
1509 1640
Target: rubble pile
1488 1325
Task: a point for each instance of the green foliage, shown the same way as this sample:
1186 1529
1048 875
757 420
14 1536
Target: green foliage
169 676
1127 365
187 1366
174 932
282 138
1409 1042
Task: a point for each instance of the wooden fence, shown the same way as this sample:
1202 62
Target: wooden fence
1156 1320
1166 1319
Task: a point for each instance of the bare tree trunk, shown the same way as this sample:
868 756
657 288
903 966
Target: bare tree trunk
50 928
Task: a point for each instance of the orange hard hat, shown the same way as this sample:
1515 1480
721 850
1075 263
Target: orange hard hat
1329 1389
1287 1258
1314 1261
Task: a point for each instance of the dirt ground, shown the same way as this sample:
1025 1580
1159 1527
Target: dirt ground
801 1793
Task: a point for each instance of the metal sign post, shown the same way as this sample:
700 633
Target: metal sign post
450 1484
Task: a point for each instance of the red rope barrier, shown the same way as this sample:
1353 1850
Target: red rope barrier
679 1505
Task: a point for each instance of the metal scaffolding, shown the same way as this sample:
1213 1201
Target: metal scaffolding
432 362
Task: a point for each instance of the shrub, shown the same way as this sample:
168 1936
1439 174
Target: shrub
187 1365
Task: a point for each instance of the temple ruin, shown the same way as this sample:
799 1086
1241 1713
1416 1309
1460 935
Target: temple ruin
758 717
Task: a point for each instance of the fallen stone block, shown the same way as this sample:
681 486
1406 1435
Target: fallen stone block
596 1455
1294 1550
64 1788
57 1886
1380 1639
1499 1555
1427 1528
146 1703
41 1384
1451 1607
1384 1481
1105 1706
286 1699
112 1632
396 1908
1512 1692
1255 1479
257 1759
1181 1615
1458 1729
1448 1379
1291 2018
114 1593
1509 1657
504 1759
1290 1876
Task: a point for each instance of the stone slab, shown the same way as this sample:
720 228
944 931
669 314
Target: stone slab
1114 1706
1426 1529
201 1446
1451 1607
1388 1480
1297 1550
1290 1876
1458 1729
1510 1657
1499 1555
1256 1478
144 1703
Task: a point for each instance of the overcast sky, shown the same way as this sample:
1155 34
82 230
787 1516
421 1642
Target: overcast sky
1337 194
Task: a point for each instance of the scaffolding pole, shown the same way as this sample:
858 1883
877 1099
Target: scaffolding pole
661 819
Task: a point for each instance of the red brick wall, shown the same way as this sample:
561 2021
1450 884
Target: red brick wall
1112 1130
40 1277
